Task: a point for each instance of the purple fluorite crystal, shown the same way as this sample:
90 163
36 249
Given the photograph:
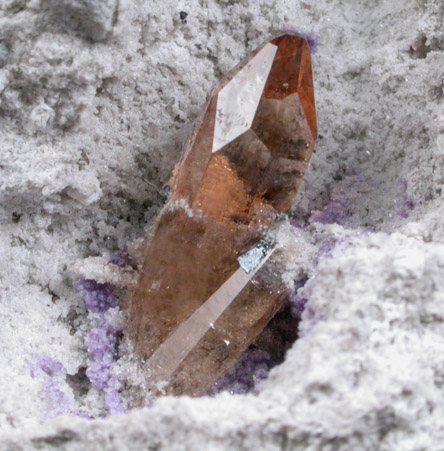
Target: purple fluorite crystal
43 369
101 344
407 202
313 41
256 362
119 258
44 363
98 297
102 341
252 367
333 213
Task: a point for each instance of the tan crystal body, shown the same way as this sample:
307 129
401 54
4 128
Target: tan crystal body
195 308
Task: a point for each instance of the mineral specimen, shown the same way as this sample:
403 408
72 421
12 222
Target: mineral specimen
210 281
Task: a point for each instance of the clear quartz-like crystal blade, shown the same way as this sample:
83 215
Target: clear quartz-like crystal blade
237 101
200 300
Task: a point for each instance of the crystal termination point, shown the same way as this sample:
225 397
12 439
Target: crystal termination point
208 284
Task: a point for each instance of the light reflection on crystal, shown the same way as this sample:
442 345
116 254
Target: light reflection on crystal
194 292
238 100
170 354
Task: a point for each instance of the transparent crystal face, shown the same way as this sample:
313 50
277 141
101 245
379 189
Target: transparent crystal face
238 100
171 353
204 293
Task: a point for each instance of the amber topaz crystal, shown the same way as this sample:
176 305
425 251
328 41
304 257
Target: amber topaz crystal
209 283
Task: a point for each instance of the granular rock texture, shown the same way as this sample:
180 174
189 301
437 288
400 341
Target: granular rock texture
96 101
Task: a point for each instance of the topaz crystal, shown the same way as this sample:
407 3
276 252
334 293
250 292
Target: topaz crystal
209 282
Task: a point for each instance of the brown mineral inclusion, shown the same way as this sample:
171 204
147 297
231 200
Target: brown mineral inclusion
209 283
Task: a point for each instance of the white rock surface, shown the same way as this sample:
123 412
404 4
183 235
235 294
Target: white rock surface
96 100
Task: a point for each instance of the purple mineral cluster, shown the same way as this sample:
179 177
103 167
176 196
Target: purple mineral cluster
44 363
313 41
98 297
252 367
119 258
297 305
326 247
102 341
256 362
334 213
407 202
43 369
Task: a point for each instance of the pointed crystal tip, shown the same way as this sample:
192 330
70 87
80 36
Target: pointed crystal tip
207 287
254 139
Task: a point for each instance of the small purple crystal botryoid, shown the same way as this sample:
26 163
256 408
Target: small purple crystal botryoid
102 341
252 367
256 362
408 203
312 39
44 369
333 213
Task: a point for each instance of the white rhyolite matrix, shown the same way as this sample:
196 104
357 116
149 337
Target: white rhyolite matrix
96 101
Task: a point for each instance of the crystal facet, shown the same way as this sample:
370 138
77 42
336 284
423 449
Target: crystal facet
209 282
